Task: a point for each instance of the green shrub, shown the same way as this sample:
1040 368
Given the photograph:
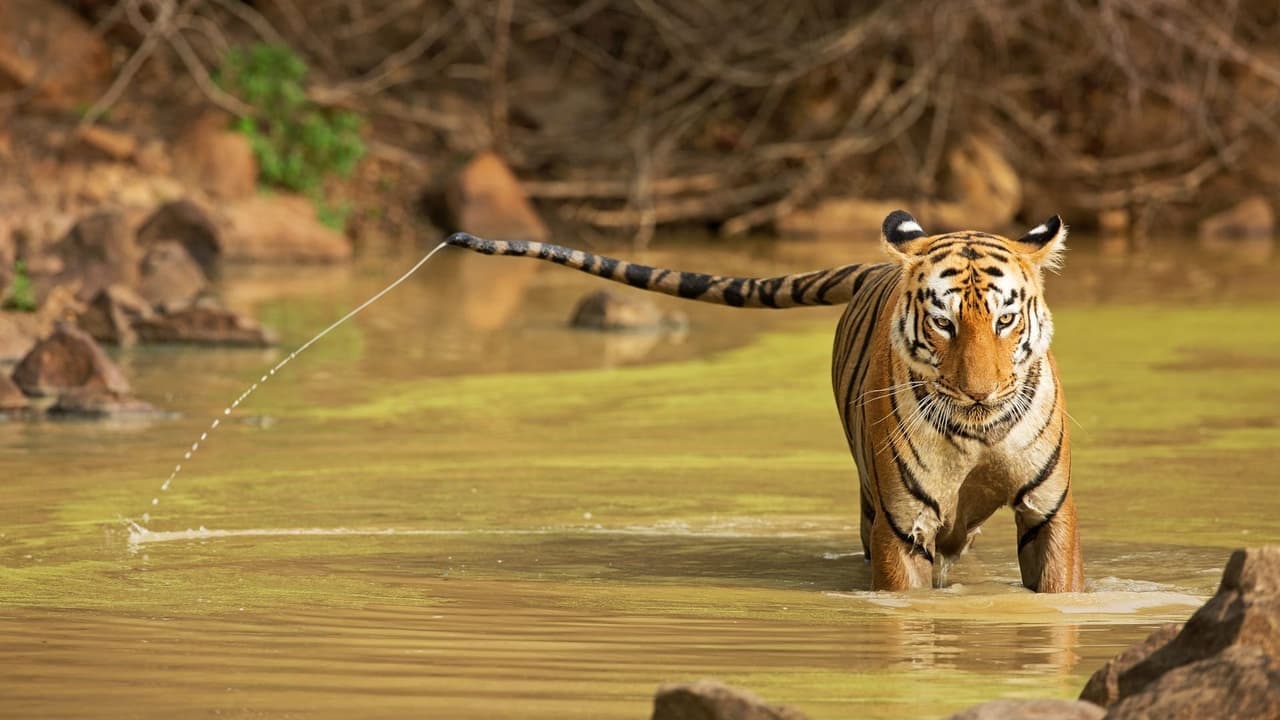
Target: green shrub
297 143
21 296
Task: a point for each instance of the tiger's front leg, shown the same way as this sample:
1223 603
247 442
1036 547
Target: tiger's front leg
898 564
1048 537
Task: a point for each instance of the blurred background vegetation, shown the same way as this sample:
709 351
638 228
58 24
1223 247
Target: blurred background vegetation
625 116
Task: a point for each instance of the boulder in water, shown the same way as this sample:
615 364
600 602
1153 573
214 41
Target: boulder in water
203 324
712 700
109 317
1228 653
171 279
69 359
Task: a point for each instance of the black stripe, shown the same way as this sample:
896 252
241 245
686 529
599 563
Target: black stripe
834 280
1045 471
769 291
913 486
638 275
608 266
733 293
803 283
1031 533
694 285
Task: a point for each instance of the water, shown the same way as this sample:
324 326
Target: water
418 518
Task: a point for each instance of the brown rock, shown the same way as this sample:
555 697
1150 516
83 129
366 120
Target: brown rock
110 316
983 192
97 252
1103 687
186 223
203 325
615 311
44 45
1239 682
1244 614
96 403
280 228
486 199
210 156
1250 218
1031 710
106 142
171 279
20 331
1245 611
11 397
712 700
67 360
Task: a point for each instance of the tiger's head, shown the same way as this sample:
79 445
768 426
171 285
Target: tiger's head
971 321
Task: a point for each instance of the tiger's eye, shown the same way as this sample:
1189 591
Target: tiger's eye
1005 320
943 324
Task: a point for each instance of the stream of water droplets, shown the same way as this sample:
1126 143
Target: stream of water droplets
137 529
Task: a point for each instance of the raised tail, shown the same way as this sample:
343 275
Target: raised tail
834 286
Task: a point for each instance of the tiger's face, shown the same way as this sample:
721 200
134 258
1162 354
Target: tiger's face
971 321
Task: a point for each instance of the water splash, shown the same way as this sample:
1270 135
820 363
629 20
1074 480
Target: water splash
139 529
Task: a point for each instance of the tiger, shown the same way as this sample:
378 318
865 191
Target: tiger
945 385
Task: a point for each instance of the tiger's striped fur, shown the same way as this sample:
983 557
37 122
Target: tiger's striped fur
947 390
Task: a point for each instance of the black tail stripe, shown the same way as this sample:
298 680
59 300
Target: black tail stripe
834 280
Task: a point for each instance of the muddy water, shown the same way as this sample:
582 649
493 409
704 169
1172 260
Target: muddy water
455 507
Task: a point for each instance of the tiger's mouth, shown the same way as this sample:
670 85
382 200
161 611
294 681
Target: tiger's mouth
963 408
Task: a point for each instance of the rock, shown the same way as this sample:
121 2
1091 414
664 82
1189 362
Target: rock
712 700
1103 687
203 325
1250 218
97 403
486 199
1031 710
68 360
11 397
20 331
615 311
1239 682
44 45
210 156
171 279
280 228
110 316
983 191
1245 613
186 223
97 252
108 143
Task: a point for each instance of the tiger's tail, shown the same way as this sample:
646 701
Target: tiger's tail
834 286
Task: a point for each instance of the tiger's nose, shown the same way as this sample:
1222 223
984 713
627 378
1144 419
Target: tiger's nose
979 395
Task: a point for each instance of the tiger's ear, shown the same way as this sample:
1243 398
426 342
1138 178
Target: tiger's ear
901 236
1044 243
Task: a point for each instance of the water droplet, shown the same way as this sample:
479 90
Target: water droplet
186 455
165 486
215 424
195 446
155 501
203 435
227 411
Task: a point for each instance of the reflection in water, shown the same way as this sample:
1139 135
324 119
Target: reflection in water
434 526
